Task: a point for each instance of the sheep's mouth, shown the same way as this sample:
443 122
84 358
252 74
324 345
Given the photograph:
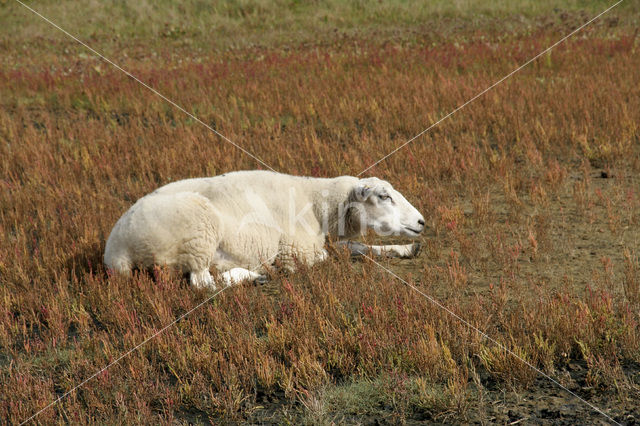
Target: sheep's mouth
413 230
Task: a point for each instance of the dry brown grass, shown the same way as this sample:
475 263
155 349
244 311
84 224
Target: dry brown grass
527 241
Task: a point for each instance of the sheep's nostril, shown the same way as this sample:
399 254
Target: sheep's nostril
421 222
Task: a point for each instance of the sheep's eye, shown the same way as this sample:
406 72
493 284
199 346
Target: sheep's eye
384 197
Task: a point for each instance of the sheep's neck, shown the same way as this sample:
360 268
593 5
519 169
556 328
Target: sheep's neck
330 199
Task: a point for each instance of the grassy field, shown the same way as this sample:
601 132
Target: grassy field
531 196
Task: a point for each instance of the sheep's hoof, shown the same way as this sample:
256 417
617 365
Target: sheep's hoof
415 249
261 279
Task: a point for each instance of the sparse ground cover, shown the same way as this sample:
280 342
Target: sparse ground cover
531 195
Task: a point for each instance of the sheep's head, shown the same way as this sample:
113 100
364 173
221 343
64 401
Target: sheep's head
374 204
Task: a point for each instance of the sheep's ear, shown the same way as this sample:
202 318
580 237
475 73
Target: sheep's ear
362 192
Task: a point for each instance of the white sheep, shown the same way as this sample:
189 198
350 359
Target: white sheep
238 221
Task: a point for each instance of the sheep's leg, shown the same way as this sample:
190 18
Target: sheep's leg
236 275
309 254
398 250
202 279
